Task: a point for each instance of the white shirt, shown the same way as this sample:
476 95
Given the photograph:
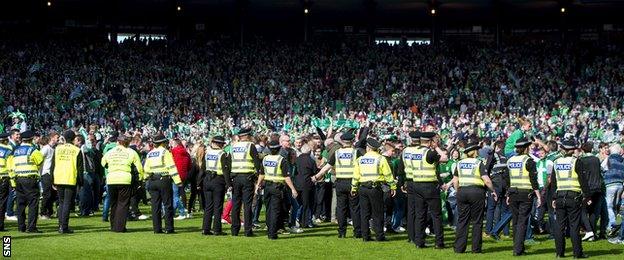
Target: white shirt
48 153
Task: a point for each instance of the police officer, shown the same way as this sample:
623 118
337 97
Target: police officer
119 161
161 171
6 160
216 181
27 161
406 169
245 165
427 189
522 183
275 175
569 190
370 173
67 166
344 160
470 180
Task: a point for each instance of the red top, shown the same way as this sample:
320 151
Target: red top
182 161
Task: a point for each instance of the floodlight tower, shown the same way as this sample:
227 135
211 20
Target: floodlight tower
434 12
307 4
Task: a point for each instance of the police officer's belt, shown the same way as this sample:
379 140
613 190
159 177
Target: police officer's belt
568 193
158 176
371 184
27 177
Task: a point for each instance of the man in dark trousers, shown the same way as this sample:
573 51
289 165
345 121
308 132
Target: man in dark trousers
470 180
216 181
371 173
27 161
343 160
277 179
591 171
162 173
427 183
246 165
306 168
407 168
67 168
523 183
120 162
569 187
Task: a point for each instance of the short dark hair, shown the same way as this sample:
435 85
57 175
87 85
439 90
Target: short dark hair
80 139
552 145
587 147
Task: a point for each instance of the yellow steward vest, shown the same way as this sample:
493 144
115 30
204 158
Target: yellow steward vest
65 160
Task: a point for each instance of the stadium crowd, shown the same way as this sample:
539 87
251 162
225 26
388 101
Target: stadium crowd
307 96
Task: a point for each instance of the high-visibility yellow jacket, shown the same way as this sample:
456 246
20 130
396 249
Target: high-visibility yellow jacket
119 161
67 164
372 167
159 161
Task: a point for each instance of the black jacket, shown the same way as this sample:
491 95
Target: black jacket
590 172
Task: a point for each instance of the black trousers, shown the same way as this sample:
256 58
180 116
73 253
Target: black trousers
274 195
319 201
27 190
520 205
137 196
5 186
214 193
592 213
194 194
48 194
67 194
307 203
471 205
388 203
242 195
119 205
426 201
411 211
345 203
371 203
161 192
568 208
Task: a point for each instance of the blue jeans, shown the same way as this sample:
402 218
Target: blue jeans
295 211
259 200
11 202
504 222
495 210
86 195
106 207
398 211
177 202
452 200
613 198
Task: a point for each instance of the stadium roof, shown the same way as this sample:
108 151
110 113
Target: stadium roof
224 13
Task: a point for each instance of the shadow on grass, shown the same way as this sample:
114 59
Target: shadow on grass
591 253
295 236
508 248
